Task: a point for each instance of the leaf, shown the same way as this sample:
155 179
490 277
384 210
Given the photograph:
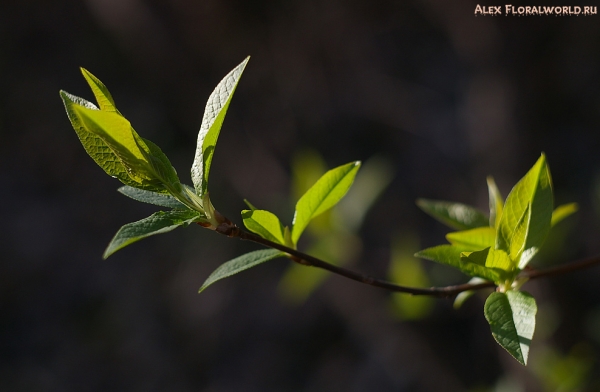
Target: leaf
452 255
474 264
475 239
96 148
162 166
563 211
116 132
212 121
527 214
157 223
323 195
159 199
105 100
444 254
455 215
511 316
496 202
240 264
491 258
517 241
265 224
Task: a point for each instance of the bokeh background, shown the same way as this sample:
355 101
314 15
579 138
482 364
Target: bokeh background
430 97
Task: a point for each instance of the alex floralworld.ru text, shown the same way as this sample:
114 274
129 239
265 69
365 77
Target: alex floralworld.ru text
510 9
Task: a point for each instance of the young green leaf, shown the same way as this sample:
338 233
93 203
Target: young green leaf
240 264
517 241
527 214
323 195
105 100
144 161
459 257
157 223
159 199
265 224
496 202
455 215
444 254
119 136
563 211
162 166
214 115
475 239
476 270
490 258
96 148
511 316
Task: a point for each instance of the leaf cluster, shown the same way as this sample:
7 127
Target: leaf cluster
146 172
497 247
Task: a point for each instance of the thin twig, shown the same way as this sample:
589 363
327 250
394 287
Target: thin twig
562 269
232 230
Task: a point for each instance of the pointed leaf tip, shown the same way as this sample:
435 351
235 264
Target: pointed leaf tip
100 91
212 121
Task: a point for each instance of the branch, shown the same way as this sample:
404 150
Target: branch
230 229
562 269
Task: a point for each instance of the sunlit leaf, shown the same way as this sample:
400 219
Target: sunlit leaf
474 264
157 223
527 214
444 254
323 195
111 141
240 264
119 136
451 255
455 215
475 239
214 115
265 224
96 148
103 96
491 264
511 316
517 241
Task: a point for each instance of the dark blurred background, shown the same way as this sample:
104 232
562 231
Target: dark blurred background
444 98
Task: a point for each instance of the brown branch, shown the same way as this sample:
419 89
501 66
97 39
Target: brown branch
562 269
230 229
